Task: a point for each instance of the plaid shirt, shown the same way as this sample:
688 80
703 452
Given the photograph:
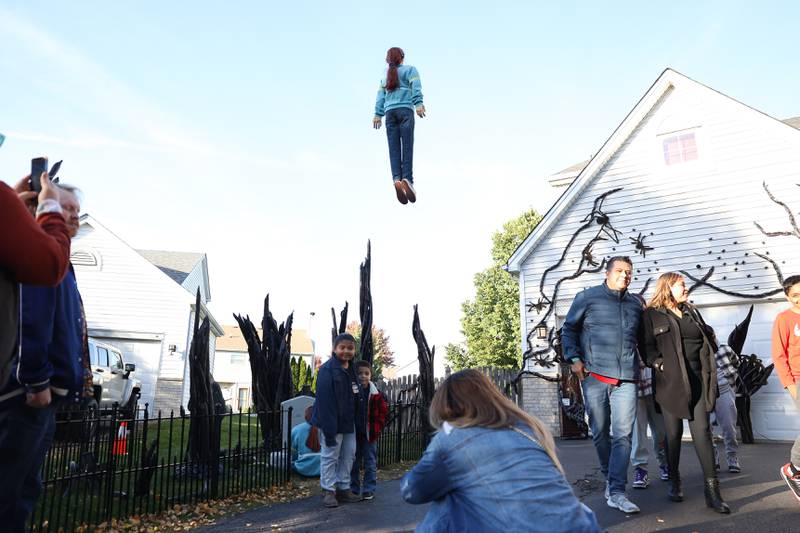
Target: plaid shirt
727 361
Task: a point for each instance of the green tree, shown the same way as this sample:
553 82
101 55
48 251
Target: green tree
301 375
382 354
490 322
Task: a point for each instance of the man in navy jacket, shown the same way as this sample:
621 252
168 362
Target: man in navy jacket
48 371
600 340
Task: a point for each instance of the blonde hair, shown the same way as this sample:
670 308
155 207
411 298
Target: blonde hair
469 399
662 297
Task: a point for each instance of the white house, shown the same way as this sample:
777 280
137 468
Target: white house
143 302
232 363
691 180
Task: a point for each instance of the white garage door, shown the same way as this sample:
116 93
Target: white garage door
145 354
772 411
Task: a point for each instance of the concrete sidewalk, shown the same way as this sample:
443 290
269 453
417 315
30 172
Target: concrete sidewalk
760 501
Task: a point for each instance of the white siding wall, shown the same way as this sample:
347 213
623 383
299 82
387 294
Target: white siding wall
699 213
128 293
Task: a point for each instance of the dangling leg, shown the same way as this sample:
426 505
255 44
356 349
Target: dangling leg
393 137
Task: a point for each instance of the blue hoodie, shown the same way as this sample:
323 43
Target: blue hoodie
51 342
408 92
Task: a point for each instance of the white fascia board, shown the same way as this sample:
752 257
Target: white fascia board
665 81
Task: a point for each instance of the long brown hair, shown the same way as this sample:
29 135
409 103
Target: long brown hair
469 399
313 436
394 57
662 297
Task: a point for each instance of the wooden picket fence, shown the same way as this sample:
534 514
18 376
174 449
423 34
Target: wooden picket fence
404 389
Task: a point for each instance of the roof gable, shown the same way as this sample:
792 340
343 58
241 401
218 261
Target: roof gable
667 81
176 265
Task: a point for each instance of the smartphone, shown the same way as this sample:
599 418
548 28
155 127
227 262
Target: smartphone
38 167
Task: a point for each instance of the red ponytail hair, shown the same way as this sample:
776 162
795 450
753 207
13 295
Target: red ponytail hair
394 57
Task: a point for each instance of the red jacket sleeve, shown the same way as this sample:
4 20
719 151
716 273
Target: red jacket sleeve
33 253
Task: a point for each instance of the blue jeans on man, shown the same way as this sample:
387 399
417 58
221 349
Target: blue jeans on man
400 134
366 452
25 437
612 411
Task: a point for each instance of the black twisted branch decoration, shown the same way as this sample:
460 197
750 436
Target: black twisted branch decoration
704 281
795 230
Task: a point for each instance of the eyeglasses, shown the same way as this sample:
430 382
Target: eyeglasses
2 138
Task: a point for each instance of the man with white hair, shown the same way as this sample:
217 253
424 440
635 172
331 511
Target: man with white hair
48 372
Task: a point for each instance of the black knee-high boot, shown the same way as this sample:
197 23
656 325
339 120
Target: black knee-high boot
713 496
675 493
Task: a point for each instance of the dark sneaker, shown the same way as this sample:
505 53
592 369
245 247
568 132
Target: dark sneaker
733 465
345 496
329 499
411 194
640 479
401 192
367 495
663 472
792 479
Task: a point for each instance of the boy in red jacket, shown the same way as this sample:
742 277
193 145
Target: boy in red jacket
368 429
786 356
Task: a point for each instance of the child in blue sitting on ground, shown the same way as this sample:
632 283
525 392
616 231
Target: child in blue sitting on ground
306 447
369 424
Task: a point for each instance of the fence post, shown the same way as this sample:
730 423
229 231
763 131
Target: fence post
398 451
287 445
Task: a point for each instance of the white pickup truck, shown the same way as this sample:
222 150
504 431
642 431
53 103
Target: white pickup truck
114 383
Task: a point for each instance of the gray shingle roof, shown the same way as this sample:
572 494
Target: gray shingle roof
176 265
793 122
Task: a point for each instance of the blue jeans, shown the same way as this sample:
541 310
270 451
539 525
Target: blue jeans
25 437
368 453
612 411
336 462
400 133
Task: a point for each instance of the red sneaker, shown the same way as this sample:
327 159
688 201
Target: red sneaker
793 480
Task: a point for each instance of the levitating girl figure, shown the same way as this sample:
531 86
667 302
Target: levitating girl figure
399 95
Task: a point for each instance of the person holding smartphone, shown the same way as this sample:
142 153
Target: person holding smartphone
48 371
33 250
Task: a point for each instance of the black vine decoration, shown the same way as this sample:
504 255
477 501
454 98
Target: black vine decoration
641 247
704 281
795 230
544 356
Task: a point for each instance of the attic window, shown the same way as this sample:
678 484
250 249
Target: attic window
85 258
680 149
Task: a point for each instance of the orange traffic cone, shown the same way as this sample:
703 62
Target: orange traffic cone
121 442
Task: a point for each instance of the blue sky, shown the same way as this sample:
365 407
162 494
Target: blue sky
243 130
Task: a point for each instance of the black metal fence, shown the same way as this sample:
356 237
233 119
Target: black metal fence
104 467
404 438
108 467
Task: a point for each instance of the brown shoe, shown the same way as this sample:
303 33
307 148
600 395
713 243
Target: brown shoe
329 499
345 496
400 191
411 194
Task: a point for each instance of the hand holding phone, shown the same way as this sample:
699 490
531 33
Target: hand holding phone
38 167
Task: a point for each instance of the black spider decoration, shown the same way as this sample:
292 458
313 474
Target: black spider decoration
641 247
602 218
587 254
540 304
